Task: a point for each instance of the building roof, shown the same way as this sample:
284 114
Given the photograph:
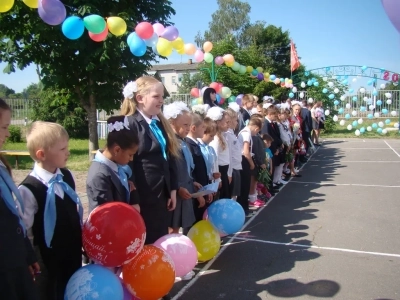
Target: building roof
175 67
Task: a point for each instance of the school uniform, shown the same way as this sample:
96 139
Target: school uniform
236 161
244 117
155 176
62 255
104 185
183 214
259 153
245 174
306 126
16 252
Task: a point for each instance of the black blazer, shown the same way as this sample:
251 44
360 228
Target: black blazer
306 125
243 118
273 131
152 174
200 169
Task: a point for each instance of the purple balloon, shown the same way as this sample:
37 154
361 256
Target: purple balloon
392 9
260 76
52 12
170 33
239 99
219 60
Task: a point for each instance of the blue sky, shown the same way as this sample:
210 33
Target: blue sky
326 32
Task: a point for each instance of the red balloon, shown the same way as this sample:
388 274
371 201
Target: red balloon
194 92
220 86
215 86
144 30
113 234
100 36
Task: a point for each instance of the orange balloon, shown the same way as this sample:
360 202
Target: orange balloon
151 275
228 58
207 47
190 49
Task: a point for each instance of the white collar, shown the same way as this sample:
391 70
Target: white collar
201 142
194 140
106 161
45 175
148 120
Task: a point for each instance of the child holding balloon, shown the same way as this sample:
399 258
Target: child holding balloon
109 172
154 164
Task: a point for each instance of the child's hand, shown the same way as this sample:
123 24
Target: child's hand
171 204
209 198
263 166
252 166
216 175
277 152
197 185
132 187
229 179
219 184
137 207
34 269
202 201
184 193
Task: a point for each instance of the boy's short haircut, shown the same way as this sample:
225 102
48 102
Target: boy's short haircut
44 135
270 110
267 137
196 119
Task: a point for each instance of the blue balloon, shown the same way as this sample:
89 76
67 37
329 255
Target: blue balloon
331 96
385 111
93 281
374 125
130 37
226 215
351 90
291 95
364 68
347 116
309 83
137 46
324 90
327 69
345 82
387 121
254 72
355 124
306 73
363 108
375 93
354 98
379 102
218 97
152 41
272 77
336 102
362 129
313 79
370 116
282 80
316 83
369 82
73 27
341 110
379 130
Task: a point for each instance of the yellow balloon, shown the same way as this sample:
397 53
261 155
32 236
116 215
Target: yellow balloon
229 63
181 51
6 5
260 70
266 74
200 100
164 47
32 3
116 25
178 43
249 69
206 240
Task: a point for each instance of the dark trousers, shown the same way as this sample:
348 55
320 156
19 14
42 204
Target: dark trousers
245 174
18 284
306 138
224 192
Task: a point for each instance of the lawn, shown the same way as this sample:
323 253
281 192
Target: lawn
78 160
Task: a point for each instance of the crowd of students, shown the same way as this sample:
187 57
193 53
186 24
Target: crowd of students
155 158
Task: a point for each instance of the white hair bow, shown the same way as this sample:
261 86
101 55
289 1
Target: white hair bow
117 126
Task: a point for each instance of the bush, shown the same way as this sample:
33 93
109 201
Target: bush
15 134
329 125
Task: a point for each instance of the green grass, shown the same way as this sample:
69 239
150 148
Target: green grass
342 132
78 160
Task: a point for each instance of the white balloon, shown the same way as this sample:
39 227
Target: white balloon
303 85
393 113
354 113
324 78
310 100
343 97
336 90
369 128
381 124
301 95
360 121
349 127
357 132
376 115
294 89
396 125
388 95
348 105
365 98
384 131
330 84
383 86
371 107
389 102
335 118
342 122
327 112
362 90
354 79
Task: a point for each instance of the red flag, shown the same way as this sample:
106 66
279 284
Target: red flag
294 59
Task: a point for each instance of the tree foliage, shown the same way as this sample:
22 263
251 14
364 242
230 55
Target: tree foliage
188 82
92 73
5 91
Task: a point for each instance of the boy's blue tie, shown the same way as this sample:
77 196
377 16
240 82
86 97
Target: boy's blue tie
50 213
207 157
188 158
7 188
159 136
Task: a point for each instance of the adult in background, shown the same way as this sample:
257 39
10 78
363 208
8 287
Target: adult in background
306 126
210 97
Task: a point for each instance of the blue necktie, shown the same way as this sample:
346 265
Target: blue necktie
159 136
124 173
7 188
188 158
50 213
207 157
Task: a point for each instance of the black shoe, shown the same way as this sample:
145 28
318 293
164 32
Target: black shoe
296 175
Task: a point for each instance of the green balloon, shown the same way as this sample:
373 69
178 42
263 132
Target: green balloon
208 57
231 99
95 23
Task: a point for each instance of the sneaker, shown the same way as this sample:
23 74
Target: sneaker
287 171
188 276
283 181
262 198
257 203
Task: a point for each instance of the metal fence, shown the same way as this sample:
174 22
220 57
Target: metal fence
21 110
360 105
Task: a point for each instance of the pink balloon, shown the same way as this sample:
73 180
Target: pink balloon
158 28
99 37
219 60
144 30
182 251
199 55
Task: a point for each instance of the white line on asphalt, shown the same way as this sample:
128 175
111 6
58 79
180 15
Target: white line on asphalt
392 149
317 247
356 161
208 265
344 148
345 184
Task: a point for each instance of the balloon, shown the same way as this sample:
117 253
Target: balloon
220 86
181 51
254 72
369 128
347 116
231 99
336 90
225 92
249 69
208 57
303 85
354 98
6 5
229 58
190 49
291 95
206 239
324 90
384 111
144 30
362 90
342 122
99 37
164 47
158 28
362 130
336 102
236 66
335 118
360 121
170 33
388 102
379 102
226 215
51 12
331 96
214 85
178 43
392 8
260 70
137 46
94 23
127 293
113 243
260 76
242 70
207 46
301 95
354 113
357 132
380 124
393 113
151 41
194 92
93 282
116 25
239 99
384 131
182 251
327 112
379 130
73 27
294 89
341 110
150 275
199 55
349 127
32 3
219 60
316 83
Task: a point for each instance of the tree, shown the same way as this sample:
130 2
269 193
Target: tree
32 91
188 82
5 91
93 73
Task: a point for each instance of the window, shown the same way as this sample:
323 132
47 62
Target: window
173 79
